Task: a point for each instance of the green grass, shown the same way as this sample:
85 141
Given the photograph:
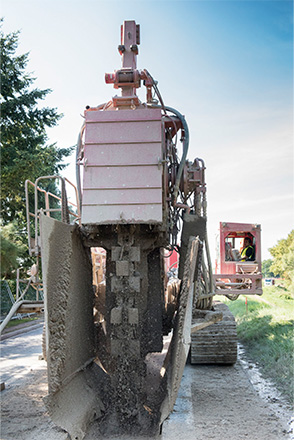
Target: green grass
265 328
15 322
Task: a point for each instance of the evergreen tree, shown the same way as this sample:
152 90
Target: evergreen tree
25 153
13 250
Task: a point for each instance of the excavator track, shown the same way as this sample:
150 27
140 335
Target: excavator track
216 344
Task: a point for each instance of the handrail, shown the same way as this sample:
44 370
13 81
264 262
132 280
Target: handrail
12 311
48 210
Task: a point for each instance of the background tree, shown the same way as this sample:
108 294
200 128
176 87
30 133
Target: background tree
13 250
25 154
266 269
283 259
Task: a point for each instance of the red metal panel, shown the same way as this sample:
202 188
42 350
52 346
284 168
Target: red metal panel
146 114
123 173
118 197
122 154
123 132
122 177
111 214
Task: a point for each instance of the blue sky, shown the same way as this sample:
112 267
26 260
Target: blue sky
226 65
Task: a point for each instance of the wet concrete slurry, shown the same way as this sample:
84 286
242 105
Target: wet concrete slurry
267 391
219 402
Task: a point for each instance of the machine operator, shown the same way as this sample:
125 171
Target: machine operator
247 253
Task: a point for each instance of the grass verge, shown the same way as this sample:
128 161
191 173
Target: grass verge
265 328
15 322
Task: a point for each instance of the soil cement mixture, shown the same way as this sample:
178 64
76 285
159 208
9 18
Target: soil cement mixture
214 402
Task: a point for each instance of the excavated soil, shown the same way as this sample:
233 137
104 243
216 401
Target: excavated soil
214 402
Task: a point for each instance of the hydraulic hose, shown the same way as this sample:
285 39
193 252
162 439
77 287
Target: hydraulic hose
186 138
185 151
185 147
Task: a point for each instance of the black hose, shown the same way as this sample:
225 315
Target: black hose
185 150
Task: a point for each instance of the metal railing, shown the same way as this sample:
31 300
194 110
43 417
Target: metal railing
34 239
21 305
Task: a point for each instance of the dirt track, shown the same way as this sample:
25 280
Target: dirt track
213 403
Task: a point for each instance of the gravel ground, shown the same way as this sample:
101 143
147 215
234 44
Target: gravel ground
214 402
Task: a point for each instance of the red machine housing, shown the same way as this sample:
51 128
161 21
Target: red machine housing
231 273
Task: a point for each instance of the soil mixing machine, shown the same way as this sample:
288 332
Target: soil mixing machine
116 347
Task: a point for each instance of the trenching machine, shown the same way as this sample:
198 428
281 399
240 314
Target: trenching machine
116 348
